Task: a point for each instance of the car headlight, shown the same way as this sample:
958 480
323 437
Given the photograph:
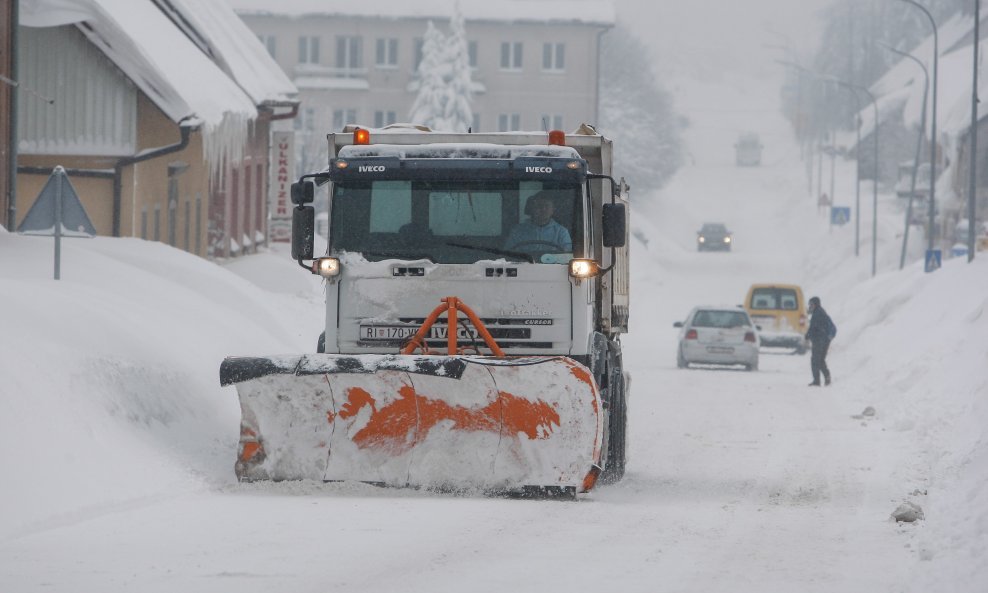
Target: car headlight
727 239
583 268
327 267
701 239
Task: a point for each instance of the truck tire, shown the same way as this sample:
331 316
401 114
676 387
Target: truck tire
617 437
617 426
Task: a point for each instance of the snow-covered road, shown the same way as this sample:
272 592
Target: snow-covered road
737 481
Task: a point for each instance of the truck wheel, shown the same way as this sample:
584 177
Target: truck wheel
617 438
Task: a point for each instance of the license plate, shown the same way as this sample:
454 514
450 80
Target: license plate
720 350
401 332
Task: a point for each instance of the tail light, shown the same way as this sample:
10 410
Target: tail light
802 320
749 337
691 334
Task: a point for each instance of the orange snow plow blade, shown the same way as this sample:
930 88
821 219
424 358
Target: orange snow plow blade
444 422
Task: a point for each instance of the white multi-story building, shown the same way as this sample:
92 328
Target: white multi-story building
535 63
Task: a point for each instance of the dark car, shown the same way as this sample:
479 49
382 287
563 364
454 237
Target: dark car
713 236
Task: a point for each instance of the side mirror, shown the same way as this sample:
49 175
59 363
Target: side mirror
303 231
303 192
614 226
678 324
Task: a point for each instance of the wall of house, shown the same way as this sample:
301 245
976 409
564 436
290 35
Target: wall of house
165 198
238 210
332 96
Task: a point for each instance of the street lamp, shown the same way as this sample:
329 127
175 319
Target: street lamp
874 194
933 122
919 145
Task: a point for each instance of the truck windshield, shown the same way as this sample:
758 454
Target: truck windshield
458 222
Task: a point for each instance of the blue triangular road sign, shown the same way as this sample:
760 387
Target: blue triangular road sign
57 200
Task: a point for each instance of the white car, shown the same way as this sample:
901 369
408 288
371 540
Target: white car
718 335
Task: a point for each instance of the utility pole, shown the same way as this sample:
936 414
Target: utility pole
933 124
919 145
972 194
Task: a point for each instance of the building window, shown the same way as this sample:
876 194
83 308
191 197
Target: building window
475 123
472 53
157 223
144 223
384 118
188 224
418 43
508 122
198 223
270 43
342 117
511 55
348 52
308 50
554 56
552 122
387 53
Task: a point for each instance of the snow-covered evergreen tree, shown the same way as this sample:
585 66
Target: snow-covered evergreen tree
637 113
444 79
428 108
457 112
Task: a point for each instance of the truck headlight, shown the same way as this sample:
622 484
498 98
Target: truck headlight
327 267
583 268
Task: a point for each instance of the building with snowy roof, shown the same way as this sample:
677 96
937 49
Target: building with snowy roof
534 63
899 94
160 110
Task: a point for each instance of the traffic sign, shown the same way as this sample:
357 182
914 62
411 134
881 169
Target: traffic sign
56 213
57 202
934 259
840 215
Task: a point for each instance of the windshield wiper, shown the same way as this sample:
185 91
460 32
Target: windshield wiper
494 250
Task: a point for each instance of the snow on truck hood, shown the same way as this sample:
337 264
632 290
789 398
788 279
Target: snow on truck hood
453 150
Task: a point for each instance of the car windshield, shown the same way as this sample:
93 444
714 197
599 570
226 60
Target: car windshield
458 222
713 228
721 319
774 298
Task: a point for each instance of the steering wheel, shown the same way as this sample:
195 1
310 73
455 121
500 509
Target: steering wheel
522 244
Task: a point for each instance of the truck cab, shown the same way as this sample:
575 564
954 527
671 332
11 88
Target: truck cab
414 217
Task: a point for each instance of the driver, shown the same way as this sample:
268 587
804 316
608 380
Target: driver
540 231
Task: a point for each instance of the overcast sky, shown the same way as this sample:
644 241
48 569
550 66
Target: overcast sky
709 37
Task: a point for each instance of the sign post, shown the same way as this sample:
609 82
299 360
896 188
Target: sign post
934 259
57 212
282 171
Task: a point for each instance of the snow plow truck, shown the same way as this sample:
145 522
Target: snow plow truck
476 291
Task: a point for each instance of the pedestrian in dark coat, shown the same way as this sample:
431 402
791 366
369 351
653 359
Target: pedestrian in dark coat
820 333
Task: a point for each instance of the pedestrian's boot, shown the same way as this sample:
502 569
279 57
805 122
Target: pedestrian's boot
826 379
814 384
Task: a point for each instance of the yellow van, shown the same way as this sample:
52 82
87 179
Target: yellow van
780 312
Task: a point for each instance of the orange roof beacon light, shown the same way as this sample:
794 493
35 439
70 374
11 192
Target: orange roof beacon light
557 138
361 136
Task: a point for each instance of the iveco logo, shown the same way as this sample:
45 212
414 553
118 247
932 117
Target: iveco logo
538 169
371 169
